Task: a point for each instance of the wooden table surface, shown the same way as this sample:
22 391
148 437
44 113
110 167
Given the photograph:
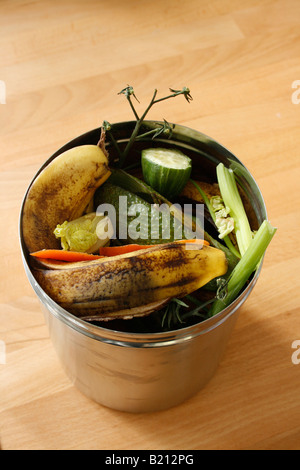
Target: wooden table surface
63 63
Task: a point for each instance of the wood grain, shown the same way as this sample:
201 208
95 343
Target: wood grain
63 63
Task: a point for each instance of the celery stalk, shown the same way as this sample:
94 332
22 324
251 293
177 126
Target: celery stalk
232 200
245 267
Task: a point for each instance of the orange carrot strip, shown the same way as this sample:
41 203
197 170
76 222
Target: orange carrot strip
193 240
120 250
63 255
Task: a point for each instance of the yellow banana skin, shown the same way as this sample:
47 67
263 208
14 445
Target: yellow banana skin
108 285
61 192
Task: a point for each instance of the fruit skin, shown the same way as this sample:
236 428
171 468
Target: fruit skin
61 192
130 280
90 313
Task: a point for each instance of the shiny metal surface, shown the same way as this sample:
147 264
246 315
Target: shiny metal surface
140 372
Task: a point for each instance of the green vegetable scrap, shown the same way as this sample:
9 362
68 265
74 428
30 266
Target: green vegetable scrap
252 246
137 219
249 262
82 234
166 170
165 129
224 224
233 201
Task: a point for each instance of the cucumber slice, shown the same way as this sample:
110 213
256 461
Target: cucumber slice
166 170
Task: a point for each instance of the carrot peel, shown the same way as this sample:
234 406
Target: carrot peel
120 250
64 255
73 256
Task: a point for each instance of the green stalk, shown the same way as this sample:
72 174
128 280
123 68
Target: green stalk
245 267
136 129
233 201
128 92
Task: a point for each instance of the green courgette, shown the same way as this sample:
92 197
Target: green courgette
136 220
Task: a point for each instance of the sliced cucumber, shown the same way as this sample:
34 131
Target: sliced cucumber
166 170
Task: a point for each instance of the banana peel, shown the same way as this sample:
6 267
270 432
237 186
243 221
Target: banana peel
90 311
62 191
131 284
